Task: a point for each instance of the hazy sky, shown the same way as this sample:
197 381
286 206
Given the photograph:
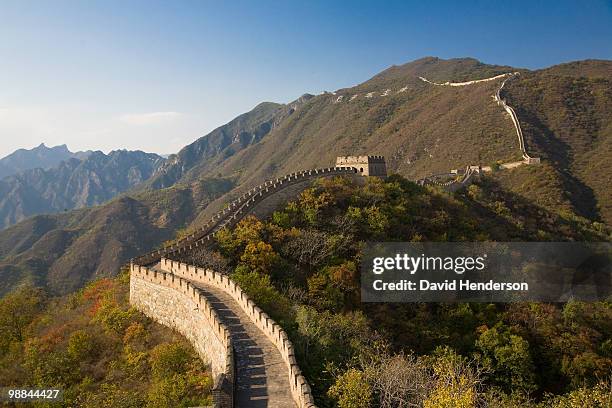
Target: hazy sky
155 75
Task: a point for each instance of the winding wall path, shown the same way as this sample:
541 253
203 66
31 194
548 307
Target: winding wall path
238 209
515 121
266 371
250 355
476 81
242 206
454 184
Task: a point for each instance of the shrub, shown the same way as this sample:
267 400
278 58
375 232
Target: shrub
168 359
351 390
81 346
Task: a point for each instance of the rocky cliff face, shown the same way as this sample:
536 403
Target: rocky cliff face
73 184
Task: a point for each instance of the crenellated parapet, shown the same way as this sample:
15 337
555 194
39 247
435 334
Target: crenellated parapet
177 303
300 390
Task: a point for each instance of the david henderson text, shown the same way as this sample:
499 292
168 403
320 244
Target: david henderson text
453 285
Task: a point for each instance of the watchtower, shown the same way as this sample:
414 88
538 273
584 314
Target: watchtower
366 165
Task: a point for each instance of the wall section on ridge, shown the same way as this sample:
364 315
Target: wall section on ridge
172 301
300 390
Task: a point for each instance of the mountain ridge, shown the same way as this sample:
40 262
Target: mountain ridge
241 132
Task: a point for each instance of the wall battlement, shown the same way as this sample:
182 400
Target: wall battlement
175 302
170 298
238 209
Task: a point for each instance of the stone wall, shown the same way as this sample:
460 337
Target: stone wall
476 81
455 183
472 171
172 301
517 126
300 390
273 202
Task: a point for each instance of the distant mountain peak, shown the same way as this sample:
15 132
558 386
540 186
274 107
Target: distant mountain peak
43 146
38 157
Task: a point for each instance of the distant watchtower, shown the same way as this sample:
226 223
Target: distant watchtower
366 165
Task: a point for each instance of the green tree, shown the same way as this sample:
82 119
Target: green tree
455 383
323 291
260 289
507 356
599 396
81 346
312 203
113 396
377 219
249 230
17 310
259 257
169 392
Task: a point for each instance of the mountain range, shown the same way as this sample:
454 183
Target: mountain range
39 157
81 180
421 128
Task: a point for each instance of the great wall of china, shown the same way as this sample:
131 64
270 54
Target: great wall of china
238 209
517 126
250 356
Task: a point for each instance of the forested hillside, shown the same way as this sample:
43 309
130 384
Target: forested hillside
420 128
98 350
302 268
423 129
65 251
566 115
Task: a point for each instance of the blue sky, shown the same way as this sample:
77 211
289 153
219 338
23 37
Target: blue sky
156 75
